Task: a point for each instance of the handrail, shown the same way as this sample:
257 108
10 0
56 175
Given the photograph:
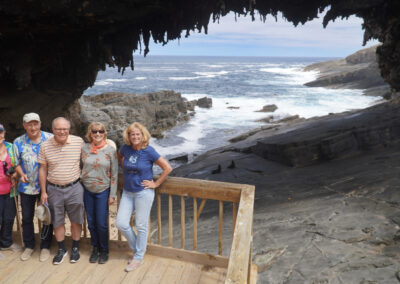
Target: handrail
238 263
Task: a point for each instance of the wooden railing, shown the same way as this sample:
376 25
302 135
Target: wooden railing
239 261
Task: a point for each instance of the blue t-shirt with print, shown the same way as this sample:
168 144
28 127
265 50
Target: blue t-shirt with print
138 166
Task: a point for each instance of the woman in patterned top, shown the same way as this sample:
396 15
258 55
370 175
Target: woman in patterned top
137 158
99 177
7 191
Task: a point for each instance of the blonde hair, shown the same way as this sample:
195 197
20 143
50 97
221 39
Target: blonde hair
95 125
145 134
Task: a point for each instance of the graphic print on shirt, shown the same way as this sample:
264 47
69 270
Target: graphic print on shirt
133 159
29 156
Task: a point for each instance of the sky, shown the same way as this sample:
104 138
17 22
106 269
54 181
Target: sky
272 38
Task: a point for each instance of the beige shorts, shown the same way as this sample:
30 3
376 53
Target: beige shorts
68 199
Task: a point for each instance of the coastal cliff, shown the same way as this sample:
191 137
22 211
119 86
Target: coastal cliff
357 71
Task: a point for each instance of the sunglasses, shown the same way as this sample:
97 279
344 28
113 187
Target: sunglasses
98 131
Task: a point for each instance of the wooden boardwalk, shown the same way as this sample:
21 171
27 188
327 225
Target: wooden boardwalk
155 269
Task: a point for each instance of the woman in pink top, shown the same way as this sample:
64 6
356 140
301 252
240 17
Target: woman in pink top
7 204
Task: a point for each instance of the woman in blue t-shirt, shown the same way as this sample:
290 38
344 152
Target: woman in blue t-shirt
137 158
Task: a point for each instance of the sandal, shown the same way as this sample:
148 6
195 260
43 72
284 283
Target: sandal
134 264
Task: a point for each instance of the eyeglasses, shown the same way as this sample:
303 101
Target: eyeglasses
94 131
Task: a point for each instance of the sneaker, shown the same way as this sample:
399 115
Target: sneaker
44 254
94 256
75 256
134 264
13 247
103 257
26 254
59 257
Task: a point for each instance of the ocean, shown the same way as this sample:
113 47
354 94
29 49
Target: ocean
244 83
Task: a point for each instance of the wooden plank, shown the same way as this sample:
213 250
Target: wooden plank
156 271
191 274
188 256
241 245
170 221
253 274
194 223
220 227
202 204
159 217
201 189
174 272
211 274
183 209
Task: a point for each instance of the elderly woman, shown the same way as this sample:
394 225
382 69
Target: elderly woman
137 158
99 177
7 203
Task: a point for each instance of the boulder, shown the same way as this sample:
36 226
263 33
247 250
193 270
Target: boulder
268 108
204 102
157 111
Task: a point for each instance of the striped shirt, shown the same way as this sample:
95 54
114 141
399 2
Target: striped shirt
62 160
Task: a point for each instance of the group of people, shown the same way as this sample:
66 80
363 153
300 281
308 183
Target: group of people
70 176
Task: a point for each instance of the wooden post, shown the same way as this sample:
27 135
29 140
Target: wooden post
221 215
149 231
159 217
84 225
234 216
194 223
119 236
170 221
182 222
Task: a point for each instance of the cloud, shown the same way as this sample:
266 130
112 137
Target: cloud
339 38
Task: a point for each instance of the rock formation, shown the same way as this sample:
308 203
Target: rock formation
50 51
357 71
157 111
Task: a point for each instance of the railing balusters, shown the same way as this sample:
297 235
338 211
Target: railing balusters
202 204
170 221
159 217
221 215
182 222
149 230
194 223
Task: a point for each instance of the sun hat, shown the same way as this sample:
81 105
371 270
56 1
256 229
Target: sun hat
31 116
43 214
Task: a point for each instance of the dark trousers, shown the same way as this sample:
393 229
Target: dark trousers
28 212
96 206
7 216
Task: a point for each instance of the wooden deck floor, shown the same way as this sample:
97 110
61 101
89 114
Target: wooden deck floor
154 270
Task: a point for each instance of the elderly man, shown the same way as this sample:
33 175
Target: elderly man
26 148
59 172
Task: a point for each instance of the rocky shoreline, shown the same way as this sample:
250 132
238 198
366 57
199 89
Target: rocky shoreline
327 203
334 221
159 111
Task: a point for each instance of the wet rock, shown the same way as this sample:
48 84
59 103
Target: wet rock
204 102
268 108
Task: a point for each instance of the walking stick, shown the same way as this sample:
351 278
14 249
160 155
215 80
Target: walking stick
17 215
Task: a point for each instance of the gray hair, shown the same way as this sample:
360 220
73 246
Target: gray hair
60 117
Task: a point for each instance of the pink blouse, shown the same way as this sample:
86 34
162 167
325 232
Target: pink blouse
5 182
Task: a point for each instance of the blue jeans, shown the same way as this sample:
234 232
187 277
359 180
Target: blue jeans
28 212
96 206
7 215
141 202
